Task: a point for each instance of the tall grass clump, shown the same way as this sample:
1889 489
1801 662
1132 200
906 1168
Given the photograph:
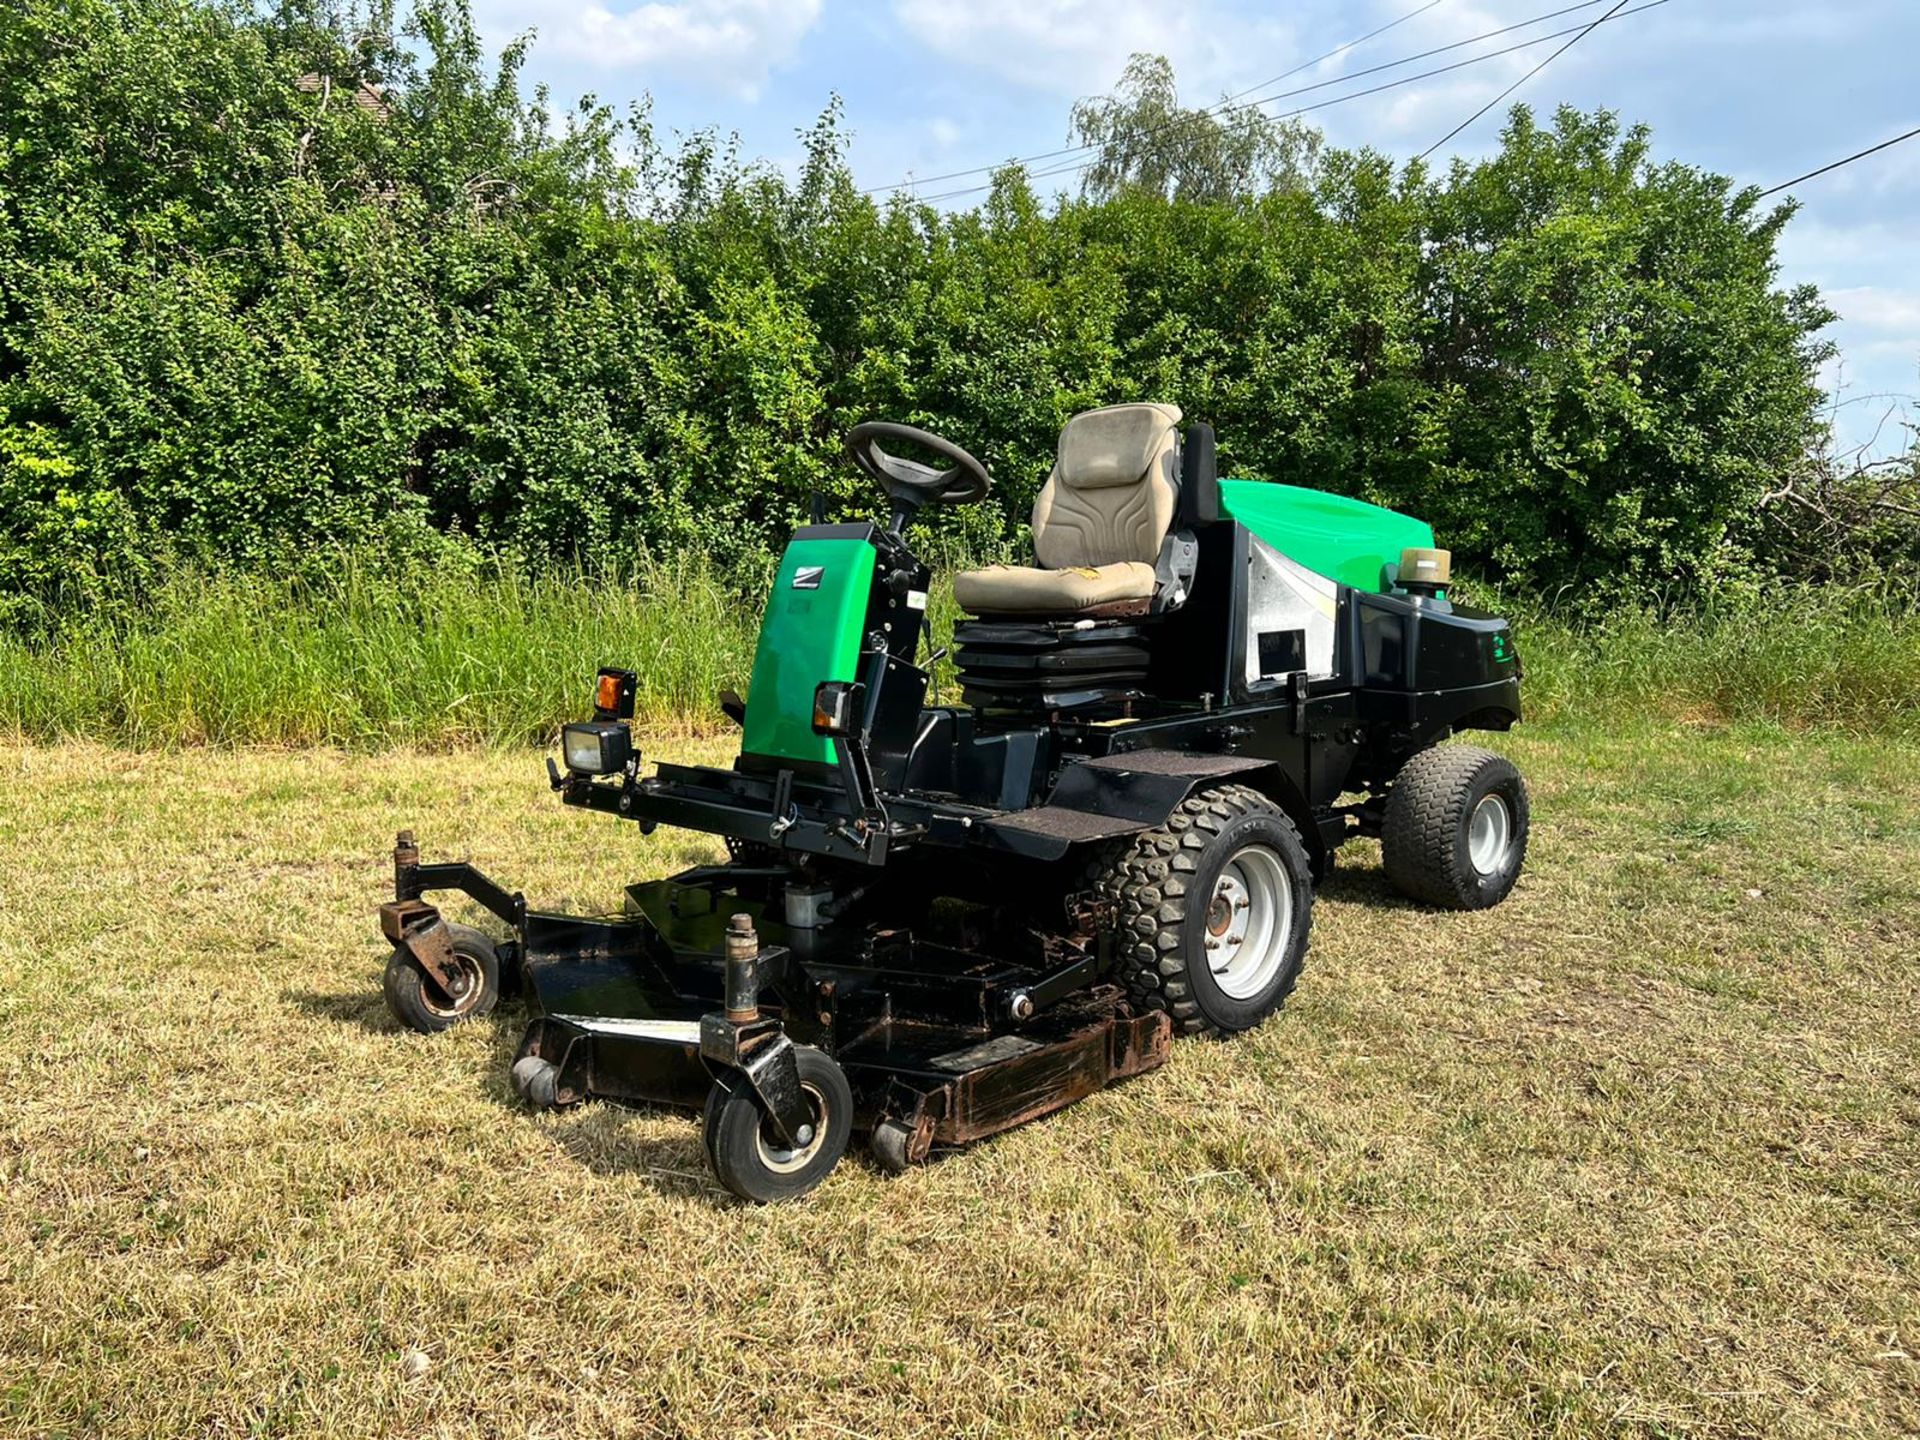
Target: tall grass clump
487 649
479 651
1798 656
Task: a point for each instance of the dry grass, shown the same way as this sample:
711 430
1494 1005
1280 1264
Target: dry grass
1636 1154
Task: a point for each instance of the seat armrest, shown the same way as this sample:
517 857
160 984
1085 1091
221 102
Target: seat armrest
1199 479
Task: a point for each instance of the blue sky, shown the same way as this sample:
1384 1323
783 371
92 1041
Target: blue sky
1761 91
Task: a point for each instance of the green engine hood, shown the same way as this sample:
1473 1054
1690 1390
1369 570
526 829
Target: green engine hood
1345 540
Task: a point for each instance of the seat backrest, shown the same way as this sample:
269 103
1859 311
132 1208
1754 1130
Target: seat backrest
1111 494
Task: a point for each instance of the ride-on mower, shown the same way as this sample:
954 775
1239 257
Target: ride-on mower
938 921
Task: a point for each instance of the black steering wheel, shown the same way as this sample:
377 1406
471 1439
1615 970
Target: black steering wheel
909 485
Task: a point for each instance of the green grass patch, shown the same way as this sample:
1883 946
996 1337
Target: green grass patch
488 650
1800 656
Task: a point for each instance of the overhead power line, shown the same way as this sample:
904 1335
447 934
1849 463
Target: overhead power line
1588 30
1224 104
1616 14
1857 155
1352 75
1238 101
1318 59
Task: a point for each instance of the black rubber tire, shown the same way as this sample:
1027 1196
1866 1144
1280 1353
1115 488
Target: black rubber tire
1424 832
889 1142
743 1155
710 1116
415 1001
1154 878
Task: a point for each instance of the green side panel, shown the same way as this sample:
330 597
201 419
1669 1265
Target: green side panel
1345 540
808 636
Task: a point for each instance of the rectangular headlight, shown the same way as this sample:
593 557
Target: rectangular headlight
597 747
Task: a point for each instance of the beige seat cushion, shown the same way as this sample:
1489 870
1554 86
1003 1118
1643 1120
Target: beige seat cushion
1022 590
1099 521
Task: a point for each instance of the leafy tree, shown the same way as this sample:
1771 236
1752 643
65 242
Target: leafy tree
1146 140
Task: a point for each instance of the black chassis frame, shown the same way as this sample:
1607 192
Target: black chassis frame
1408 671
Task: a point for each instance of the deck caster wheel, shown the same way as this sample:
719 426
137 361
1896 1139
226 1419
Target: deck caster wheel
890 1144
748 1156
418 1002
710 1116
537 1081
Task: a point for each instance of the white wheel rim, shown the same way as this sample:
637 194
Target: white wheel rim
457 1005
1248 923
1489 831
779 1159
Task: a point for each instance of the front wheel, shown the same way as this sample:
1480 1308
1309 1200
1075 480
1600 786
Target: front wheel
747 1154
418 1001
1215 908
1455 829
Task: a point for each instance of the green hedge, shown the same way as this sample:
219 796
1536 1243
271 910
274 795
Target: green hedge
243 317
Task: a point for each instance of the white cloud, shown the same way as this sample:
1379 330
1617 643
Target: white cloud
1876 307
731 44
1079 47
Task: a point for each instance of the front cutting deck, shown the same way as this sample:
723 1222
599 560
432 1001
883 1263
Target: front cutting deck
952 1044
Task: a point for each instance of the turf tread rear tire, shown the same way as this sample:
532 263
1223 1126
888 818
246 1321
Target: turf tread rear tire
1421 847
1148 875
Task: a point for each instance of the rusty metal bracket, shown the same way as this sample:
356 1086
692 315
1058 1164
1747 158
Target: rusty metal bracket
914 1112
411 880
416 927
761 1055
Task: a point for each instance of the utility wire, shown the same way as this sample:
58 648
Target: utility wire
1224 104
1523 79
1857 155
1403 60
1354 95
1238 101
1227 102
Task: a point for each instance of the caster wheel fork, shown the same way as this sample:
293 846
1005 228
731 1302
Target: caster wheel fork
747 1153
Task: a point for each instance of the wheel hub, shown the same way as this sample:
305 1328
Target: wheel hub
1489 832
1249 922
460 994
785 1159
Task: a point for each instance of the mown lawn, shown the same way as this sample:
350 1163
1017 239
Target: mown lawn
1636 1154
